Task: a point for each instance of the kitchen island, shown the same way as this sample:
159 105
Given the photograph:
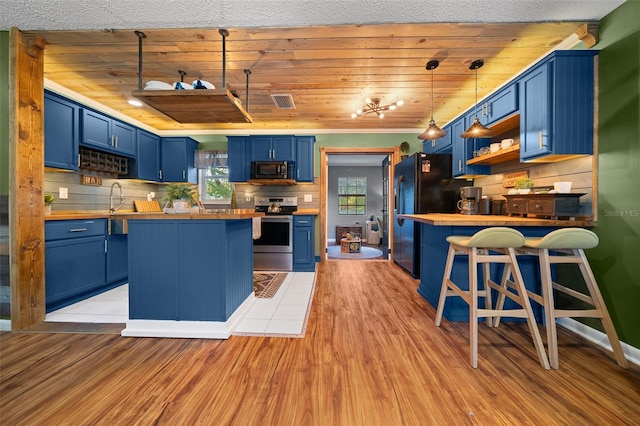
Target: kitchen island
190 275
436 227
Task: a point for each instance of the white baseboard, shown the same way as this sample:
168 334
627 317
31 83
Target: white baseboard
631 353
189 329
5 325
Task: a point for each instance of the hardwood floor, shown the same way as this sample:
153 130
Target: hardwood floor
371 356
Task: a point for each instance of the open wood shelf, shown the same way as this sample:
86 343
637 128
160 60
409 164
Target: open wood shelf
511 153
196 106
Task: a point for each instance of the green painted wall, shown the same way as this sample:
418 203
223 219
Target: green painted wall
616 260
4 112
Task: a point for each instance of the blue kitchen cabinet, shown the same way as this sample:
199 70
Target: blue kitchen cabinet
442 145
494 108
462 150
273 148
304 158
75 260
557 107
303 243
238 160
117 259
177 160
108 134
61 132
147 165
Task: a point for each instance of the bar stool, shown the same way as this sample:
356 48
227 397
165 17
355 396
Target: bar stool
567 245
490 245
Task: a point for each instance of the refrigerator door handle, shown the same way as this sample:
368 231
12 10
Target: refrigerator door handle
400 200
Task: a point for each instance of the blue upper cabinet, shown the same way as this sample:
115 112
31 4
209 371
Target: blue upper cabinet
103 132
148 156
439 146
61 132
238 158
272 148
501 104
177 160
557 107
462 150
304 158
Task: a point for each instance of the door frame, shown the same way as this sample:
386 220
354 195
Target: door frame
394 157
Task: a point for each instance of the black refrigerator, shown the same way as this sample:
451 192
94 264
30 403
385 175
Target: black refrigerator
423 183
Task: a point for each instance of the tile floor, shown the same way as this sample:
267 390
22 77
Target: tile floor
285 314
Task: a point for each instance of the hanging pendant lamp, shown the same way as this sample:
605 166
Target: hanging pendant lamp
476 130
433 131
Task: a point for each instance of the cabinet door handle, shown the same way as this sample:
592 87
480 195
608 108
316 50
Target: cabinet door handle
77 230
160 174
116 141
308 235
184 176
105 246
303 221
540 139
459 165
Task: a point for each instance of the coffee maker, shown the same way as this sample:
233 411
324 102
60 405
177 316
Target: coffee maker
470 202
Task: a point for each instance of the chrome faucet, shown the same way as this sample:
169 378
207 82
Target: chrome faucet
111 208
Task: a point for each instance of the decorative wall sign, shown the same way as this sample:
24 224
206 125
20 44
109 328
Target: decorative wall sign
91 180
508 179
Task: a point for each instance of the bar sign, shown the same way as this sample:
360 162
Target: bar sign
92 180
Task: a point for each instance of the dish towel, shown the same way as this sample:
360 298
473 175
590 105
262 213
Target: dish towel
257 227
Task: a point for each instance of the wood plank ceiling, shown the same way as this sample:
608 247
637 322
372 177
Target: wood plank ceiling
328 71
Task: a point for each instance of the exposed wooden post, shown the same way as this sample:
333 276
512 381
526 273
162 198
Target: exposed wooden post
26 178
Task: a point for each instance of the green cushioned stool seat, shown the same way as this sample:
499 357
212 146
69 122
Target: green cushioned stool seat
497 237
566 238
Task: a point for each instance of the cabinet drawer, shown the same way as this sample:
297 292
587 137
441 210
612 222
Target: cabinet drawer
516 205
540 207
302 220
64 229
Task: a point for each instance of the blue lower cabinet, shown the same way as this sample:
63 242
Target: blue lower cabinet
303 243
433 256
189 270
75 261
117 259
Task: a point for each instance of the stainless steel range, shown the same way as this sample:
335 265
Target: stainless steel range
273 251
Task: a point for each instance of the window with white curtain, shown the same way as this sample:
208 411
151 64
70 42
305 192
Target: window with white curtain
214 185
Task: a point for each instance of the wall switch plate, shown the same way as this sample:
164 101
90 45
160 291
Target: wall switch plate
308 198
247 197
63 193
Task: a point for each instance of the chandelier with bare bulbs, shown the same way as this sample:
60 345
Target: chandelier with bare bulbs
373 106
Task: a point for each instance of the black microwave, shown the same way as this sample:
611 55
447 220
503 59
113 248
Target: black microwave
271 170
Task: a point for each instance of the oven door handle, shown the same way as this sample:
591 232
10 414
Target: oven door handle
277 218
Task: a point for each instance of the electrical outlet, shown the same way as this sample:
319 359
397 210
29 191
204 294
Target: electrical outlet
308 198
63 193
247 197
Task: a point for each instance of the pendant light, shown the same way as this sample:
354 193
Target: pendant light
433 131
476 130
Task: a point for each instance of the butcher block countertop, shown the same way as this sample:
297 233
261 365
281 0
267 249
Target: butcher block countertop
227 214
453 219
314 212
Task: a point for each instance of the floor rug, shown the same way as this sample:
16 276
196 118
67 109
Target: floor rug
365 253
266 284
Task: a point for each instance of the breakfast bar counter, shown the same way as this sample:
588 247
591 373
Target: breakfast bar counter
436 227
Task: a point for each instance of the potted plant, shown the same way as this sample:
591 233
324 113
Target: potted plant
180 196
48 200
404 149
523 185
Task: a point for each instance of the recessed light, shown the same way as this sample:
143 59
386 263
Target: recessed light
134 103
